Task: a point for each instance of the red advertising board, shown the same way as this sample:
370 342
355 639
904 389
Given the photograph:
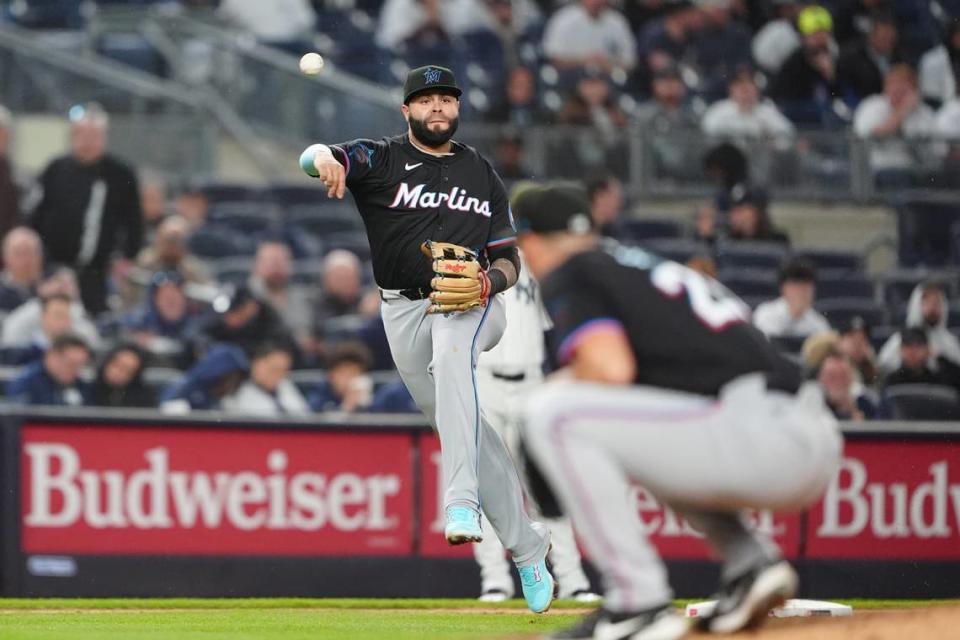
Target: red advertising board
138 490
891 500
432 522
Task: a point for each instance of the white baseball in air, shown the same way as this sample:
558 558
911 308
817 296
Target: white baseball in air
311 63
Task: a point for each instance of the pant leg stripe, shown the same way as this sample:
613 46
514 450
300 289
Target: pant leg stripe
476 394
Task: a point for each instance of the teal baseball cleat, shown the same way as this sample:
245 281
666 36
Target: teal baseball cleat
539 587
463 525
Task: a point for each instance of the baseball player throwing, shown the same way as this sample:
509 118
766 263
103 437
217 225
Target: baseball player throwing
443 247
666 384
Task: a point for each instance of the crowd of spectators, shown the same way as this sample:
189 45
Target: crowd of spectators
104 302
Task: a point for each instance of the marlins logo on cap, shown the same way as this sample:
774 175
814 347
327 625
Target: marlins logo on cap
431 75
430 78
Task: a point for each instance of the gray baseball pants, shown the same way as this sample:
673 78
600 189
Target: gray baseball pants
706 457
436 356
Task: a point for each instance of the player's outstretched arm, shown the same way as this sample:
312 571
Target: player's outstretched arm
318 161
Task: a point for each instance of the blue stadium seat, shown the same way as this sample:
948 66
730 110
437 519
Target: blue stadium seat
320 225
751 254
832 260
851 286
754 284
133 50
213 241
897 285
839 311
924 232
217 192
922 402
676 249
349 240
246 217
287 195
649 228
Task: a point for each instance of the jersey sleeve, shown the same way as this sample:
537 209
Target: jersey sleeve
503 233
362 159
578 311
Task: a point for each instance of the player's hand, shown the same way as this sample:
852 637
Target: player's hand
331 174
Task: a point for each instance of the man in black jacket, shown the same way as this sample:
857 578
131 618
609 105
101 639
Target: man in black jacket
862 65
88 200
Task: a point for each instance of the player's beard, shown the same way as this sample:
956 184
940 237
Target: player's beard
431 138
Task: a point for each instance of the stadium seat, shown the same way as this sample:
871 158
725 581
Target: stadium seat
676 249
922 402
355 242
217 192
650 228
924 232
751 254
839 311
133 50
851 286
321 224
213 241
246 217
830 260
287 195
898 284
751 283
788 344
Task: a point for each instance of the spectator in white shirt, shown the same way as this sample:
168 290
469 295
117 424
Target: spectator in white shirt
404 22
287 24
892 118
940 68
744 114
268 391
589 34
948 120
792 314
778 39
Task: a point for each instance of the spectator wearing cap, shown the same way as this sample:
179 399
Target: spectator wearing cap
88 206
927 309
204 386
919 364
854 342
863 64
348 388
940 68
119 381
894 122
9 192
749 217
241 318
667 112
268 391
22 267
589 34
270 282
22 325
778 38
807 82
744 115
164 322
792 314
847 398
55 379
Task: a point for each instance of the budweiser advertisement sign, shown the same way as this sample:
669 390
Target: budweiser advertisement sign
137 490
891 500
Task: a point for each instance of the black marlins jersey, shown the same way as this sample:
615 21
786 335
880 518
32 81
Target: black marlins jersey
406 196
687 331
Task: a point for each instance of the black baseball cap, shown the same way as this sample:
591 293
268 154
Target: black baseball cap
430 77
913 336
551 208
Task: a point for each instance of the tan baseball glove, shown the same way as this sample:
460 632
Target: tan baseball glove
460 283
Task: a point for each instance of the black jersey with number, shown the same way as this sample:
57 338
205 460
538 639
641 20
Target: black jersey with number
688 332
406 196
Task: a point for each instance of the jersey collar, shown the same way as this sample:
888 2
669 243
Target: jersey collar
431 153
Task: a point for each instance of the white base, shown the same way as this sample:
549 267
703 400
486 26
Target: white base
794 608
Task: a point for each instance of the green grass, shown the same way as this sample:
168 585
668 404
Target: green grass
291 619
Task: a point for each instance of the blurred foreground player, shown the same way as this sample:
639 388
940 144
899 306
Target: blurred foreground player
665 383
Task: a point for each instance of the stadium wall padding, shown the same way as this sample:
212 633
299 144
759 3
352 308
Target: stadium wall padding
102 504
